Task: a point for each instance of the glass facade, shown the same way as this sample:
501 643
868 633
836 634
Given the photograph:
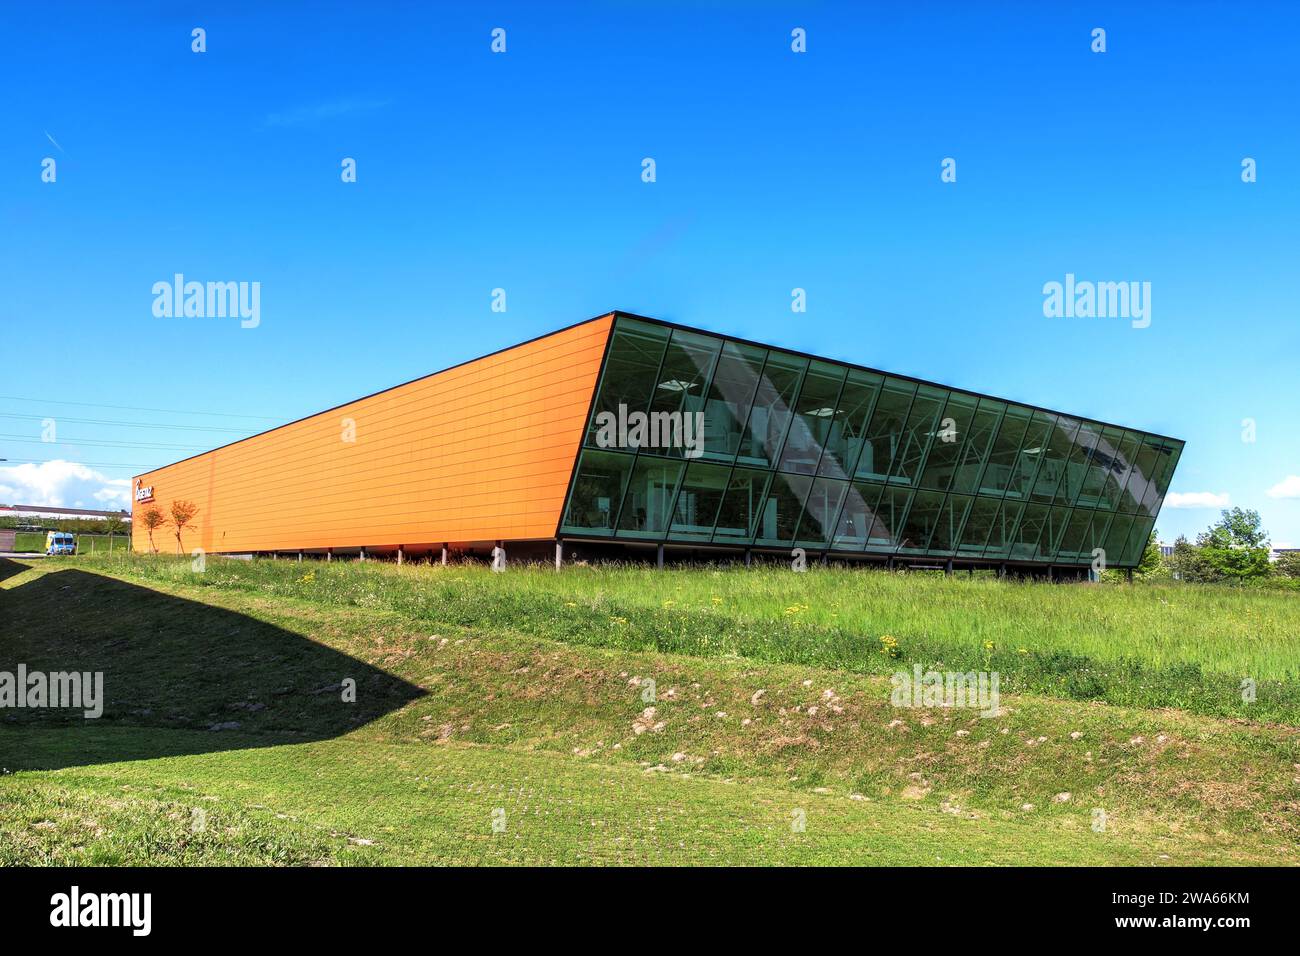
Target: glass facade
793 451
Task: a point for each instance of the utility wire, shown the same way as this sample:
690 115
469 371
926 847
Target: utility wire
133 408
100 421
22 440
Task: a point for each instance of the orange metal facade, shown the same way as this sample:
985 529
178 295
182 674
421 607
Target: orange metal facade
479 452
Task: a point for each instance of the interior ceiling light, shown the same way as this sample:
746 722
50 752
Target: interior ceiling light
676 385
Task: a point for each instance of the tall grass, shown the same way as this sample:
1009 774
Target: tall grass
1188 646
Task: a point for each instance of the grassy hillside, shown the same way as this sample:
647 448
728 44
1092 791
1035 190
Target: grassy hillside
526 694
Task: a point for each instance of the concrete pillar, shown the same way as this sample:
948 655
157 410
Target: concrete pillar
659 557
947 569
748 557
444 555
401 553
1128 573
329 555
363 555
889 564
559 553
300 557
1002 570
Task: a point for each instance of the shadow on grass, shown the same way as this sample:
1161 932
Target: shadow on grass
228 681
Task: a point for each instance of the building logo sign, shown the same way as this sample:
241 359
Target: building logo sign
143 493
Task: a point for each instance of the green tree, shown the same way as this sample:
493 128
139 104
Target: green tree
1236 546
1288 564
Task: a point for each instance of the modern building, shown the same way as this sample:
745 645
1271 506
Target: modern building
626 434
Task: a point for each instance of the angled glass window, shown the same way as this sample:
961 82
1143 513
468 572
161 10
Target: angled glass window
849 427
1106 466
1096 536
1002 531
679 392
814 412
956 423
772 409
1079 464
1071 548
1167 458
891 513
949 525
635 351
1051 473
1028 533
1058 520
1117 537
920 432
968 475
885 433
1139 480
730 397
649 498
738 514
701 494
598 487
921 519
1005 465
1137 541
979 523
820 512
780 515
1115 484
1033 451
857 516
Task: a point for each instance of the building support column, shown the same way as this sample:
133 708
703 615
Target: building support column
363 553
300 557
559 553
659 557
444 554
1002 570
329 555
401 554
889 564
1128 573
748 558
947 569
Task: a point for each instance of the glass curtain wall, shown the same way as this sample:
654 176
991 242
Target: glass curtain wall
701 440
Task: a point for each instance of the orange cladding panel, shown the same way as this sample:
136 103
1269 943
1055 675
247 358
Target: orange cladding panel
479 452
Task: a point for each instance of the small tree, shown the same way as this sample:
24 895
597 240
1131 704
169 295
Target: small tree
152 520
183 513
1236 546
1287 564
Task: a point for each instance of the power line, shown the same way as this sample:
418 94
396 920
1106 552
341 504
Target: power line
133 408
100 421
88 464
21 440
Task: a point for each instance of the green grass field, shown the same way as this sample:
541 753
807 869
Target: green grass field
503 718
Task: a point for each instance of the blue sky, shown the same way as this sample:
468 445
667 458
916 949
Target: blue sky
774 170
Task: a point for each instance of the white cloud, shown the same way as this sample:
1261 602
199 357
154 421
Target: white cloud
1288 487
1196 499
62 484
